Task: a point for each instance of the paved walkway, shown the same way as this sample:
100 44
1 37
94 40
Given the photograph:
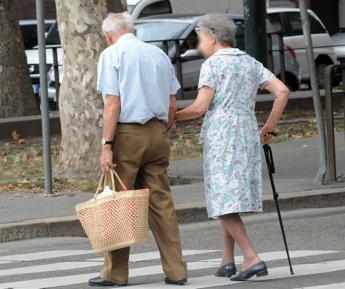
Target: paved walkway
296 165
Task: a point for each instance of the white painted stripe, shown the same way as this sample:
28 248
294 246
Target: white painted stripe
155 255
44 255
274 274
136 272
48 268
278 255
329 286
4 262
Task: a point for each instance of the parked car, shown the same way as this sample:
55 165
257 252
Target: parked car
288 21
165 28
339 45
146 8
29 34
158 29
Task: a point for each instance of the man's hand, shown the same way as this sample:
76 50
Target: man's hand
106 159
171 124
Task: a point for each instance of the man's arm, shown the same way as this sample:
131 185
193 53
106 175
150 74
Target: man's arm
172 112
111 113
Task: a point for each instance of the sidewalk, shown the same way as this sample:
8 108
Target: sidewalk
296 165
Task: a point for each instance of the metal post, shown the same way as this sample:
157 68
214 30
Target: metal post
179 66
270 63
44 97
320 176
331 165
56 75
282 57
343 80
255 29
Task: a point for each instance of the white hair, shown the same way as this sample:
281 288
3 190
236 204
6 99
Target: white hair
115 22
221 26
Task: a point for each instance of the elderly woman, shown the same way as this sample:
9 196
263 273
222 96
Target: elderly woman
229 81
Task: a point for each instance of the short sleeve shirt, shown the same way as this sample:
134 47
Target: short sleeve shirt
141 75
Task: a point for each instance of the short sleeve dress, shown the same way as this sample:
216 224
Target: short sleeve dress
230 134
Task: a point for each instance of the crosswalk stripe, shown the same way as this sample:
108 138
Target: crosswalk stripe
155 255
274 274
48 268
329 286
135 272
4 262
277 255
45 255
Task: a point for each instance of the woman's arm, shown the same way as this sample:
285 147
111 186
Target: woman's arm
281 94
199 106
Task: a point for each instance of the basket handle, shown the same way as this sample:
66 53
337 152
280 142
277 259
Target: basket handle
103 181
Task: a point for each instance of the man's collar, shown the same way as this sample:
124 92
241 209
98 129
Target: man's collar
125 37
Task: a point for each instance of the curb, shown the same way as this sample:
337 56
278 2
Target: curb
186 213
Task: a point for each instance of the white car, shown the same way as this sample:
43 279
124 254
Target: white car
29 34
339 45
288 20
144 8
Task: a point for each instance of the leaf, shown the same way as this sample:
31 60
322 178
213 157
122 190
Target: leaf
15 135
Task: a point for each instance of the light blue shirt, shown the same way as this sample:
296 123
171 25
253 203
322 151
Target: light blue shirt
141 75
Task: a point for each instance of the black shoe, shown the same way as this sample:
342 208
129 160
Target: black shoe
226 270
98 281
172 282
259 269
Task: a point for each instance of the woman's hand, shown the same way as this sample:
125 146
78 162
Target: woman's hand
266 134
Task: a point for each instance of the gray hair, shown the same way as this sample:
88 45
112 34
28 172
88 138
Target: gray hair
115 22
221 26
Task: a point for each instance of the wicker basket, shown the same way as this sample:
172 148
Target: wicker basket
116 221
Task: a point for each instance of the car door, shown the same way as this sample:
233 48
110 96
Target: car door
293 36
190 65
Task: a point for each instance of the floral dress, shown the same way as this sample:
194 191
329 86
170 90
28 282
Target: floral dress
230 135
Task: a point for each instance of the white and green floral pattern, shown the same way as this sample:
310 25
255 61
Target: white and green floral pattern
230 135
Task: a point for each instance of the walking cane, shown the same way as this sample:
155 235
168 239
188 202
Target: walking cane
271 171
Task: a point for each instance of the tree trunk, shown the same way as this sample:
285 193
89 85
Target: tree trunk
80 105
16 94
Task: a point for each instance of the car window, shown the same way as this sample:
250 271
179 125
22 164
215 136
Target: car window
276 22
157 32
315 26
29 34
239 34
294 20
157 8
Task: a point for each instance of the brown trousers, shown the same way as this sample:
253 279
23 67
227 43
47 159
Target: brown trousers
142 153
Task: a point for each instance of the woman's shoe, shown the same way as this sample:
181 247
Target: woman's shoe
226 270
259 269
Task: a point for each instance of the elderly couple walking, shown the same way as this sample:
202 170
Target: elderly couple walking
138 84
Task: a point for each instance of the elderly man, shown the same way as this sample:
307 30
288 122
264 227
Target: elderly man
138 85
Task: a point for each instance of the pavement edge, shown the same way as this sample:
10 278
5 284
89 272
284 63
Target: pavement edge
186 213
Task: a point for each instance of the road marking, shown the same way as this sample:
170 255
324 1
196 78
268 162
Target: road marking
277 255
45 255
84 264
329 286
48 268
147 256
4 262
136 272
274 274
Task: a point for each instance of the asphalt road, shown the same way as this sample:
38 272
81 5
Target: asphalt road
316 239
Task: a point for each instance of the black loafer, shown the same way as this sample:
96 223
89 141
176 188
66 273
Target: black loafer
172 282
98 281
226 270
259 269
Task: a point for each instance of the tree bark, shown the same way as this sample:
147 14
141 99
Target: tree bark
16 94
80 105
